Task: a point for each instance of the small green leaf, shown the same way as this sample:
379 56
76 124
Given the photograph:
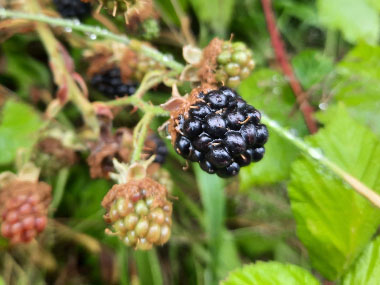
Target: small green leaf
357 19
268 91
270 273
366 270
333 221
18 129
311 66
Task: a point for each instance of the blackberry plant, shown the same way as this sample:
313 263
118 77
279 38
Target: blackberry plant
92 191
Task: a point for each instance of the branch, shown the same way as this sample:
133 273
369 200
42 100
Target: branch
287 69
357 185
76 25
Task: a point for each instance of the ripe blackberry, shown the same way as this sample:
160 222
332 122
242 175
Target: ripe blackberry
155 145
219 130
73 8
139 212
111 84
24 207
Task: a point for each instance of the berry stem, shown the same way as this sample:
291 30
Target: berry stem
138 102
63 175
139 135
317 155
282 58
97 31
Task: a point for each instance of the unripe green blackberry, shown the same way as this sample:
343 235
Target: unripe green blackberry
143 65
139 212
225 63
234 63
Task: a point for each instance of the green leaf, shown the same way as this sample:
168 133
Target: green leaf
367 268
358 84
270 273
27 71
18 129
211 189
148 267
311 66
268 91
333 221
215 13
228 255
356 19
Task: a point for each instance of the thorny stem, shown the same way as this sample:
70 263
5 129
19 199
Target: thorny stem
150 110
286 67
316 154
98 31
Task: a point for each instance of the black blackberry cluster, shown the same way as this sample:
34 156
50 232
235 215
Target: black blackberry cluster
159 149
222 132
111 85
73 8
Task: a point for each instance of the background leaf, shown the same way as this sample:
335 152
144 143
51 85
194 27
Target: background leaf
215 13
333 221
269 273
356 19
366 270
311 66
358 84
18 129
267 91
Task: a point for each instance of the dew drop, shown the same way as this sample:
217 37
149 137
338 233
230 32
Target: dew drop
315 153
323 106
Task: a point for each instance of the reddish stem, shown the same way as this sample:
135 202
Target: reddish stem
287 69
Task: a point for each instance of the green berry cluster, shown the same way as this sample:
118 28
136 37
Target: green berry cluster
139 221
143 65
234 63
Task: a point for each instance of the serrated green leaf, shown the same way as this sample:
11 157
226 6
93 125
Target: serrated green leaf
366 270
311 66
356 19
270 273
358 84
333 221
267 91
18 129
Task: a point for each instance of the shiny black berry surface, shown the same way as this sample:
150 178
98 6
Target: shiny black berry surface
222 133
159 149
110 84
73 8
